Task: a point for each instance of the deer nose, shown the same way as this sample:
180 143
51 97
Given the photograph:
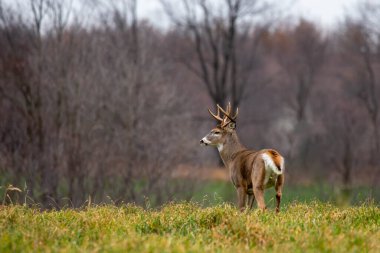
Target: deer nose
202 142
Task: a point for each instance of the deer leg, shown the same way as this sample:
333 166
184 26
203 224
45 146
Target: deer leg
251 200
241 198
259 195
278 187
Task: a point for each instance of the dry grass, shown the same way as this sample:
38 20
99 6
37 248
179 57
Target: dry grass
186 227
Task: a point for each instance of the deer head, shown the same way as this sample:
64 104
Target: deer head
226 126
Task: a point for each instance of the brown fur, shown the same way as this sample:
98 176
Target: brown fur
246 167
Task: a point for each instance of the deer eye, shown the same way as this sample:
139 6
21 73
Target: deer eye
216 132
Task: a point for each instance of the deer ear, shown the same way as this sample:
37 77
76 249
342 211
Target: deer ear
232 125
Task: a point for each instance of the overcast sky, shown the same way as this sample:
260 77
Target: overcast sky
325 12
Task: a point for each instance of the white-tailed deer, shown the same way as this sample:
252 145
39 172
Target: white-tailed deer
250 171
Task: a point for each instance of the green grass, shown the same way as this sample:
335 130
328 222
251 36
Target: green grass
217 192
188 227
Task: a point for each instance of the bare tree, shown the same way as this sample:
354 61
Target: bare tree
360 45
301 53
216 34
108 122
345 143
26 84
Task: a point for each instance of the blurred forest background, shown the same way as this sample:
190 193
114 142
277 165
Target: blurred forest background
113 108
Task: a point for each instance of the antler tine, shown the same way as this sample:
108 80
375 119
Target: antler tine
229 108
223 111
228 112
217 117
236 114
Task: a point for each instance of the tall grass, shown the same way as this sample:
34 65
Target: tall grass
188 227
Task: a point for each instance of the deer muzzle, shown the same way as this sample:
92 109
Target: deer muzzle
204 142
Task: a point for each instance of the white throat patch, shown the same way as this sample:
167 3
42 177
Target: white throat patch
220 147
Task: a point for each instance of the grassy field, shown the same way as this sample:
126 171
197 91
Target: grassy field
188 227
218 192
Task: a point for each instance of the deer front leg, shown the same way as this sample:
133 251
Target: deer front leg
259 195
251 200
241 198
278 187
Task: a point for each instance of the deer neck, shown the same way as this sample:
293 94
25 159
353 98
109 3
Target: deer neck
230 147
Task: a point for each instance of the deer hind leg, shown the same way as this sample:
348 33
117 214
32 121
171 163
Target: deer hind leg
241 198
251 197
258 177
278 188
259 195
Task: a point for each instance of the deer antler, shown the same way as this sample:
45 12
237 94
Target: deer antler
236 114
217 117
227 113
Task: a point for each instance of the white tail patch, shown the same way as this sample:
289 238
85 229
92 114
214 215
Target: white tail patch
271 166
